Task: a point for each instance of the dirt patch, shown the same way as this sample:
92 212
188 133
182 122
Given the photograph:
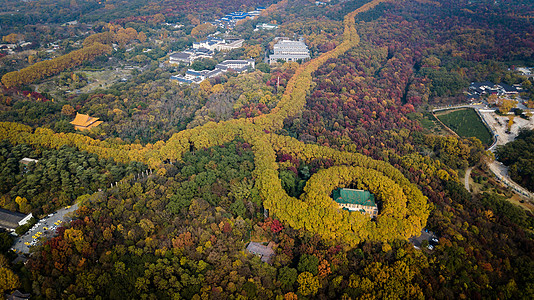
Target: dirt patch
517 200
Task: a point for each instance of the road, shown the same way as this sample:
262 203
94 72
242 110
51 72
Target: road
498 125
20 245
466 179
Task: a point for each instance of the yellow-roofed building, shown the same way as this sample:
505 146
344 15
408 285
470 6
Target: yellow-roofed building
84 122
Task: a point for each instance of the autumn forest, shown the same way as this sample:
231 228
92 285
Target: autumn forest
172 183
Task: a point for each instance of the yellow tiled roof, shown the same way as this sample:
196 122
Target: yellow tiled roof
82 122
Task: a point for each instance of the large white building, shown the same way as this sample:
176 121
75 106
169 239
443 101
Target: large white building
289 51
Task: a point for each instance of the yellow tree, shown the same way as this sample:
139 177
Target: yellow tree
8 280
308 284
506 105
203 30
12 38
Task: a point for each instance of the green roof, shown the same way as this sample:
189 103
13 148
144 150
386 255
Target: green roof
351 196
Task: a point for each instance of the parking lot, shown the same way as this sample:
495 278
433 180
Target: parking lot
46 227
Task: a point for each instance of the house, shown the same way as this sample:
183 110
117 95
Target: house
356 200
10 220
264 252
289 51
85 122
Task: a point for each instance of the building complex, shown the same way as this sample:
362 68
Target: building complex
192 76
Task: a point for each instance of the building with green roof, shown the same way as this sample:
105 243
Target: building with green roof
356 200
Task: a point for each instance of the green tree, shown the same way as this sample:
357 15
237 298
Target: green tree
287 277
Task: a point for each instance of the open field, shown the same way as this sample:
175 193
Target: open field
466 123
96 80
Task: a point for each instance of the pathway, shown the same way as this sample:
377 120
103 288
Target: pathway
466 179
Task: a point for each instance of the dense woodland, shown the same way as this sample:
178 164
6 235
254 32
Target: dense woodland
279 138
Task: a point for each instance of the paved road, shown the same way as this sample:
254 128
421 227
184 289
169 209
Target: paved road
500 170
20 245
466 179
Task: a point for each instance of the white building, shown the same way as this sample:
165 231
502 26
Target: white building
289 51
266 26
236 65
192 76
190 55
218 44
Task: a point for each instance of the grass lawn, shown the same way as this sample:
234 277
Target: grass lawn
466 123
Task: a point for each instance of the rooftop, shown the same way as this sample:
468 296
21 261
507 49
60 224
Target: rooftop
10 219
83 122
352 196
266 252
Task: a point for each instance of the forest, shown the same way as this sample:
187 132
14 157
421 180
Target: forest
255 157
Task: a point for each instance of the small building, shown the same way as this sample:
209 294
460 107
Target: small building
528 72
508 89
85 122
26 161
265 252
266 26
289 51
10 220
356 200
